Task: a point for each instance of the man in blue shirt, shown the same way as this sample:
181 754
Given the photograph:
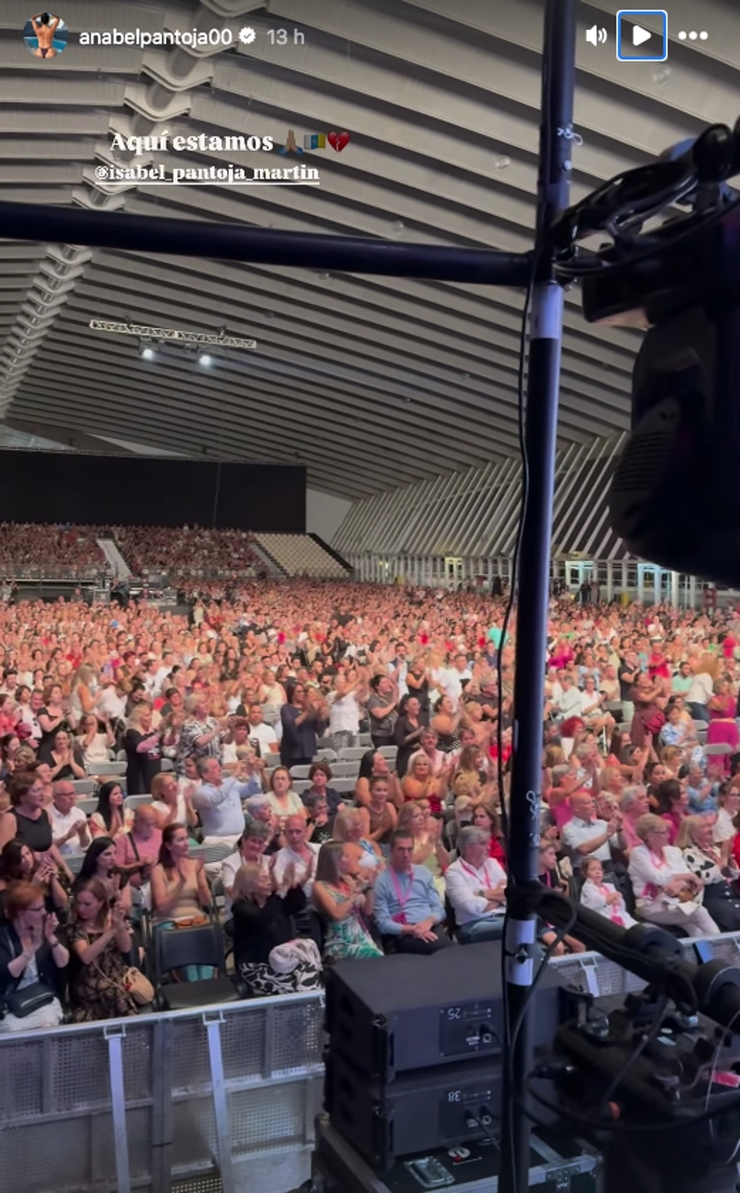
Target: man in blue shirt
218 802
408 910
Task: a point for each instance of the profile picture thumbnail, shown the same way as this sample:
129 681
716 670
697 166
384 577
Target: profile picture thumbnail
45 35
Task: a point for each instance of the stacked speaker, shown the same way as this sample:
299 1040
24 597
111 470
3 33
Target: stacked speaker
414 1056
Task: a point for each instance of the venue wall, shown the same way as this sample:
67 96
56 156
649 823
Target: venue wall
150 491
475 514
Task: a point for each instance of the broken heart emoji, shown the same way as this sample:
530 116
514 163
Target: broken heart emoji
338 141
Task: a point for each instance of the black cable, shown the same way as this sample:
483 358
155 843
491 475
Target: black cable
479 1123
571 1117
575 272
642 1042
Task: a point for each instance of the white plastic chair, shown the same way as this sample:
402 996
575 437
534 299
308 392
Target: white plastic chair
352 754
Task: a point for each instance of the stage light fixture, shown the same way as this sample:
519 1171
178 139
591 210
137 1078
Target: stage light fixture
205 359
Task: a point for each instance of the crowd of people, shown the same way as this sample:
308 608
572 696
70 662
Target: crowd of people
181 552
230 721
26 545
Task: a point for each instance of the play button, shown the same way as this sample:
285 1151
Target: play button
642 35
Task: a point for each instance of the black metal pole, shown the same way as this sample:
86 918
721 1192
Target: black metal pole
236 242
546 324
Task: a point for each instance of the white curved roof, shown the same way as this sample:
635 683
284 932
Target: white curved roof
371 382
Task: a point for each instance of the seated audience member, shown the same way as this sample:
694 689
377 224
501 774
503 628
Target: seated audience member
137 851
374 765
476 888
343 896
320 825
181 895
250 851
439 761
672 804
218 802
600 896
485 816
296 861
19 864
420 783
633 803
61 758
728 802
266 954
171 804
587 836
100 943
281 797
381 811
704 859
259 808
100 863
699 799
68 822
408 909
320 776
350 828
550 875
462 815
666 892
26 820
110 818
31 957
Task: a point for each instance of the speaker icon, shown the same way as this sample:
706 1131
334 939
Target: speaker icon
596 36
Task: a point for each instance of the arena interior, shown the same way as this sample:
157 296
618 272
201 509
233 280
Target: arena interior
257 525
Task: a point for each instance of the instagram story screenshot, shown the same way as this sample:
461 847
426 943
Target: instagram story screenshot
368 391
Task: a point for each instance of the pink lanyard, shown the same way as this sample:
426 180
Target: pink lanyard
476 874
403 896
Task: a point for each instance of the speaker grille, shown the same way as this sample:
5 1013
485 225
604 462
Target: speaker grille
648 449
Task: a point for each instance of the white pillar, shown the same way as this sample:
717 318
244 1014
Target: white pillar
692 592
624 575
609 580
674 589
640 584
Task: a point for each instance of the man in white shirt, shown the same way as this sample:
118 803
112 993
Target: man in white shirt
68 822
264 735
452 678
587 836
476 888
398 669
297 860
570 702
218 802
110 704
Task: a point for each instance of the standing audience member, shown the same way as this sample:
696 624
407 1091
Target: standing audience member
100 943
304 720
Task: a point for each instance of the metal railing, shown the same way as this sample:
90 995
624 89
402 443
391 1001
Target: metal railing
151 1102
220 1100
